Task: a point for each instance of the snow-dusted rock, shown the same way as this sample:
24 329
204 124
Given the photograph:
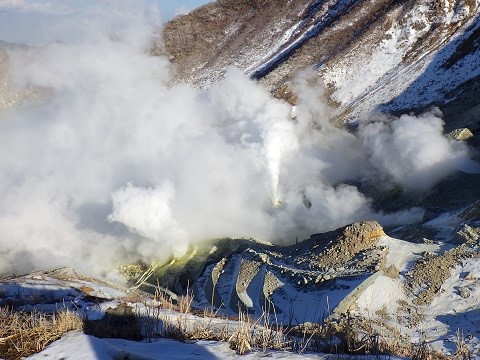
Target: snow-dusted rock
462 134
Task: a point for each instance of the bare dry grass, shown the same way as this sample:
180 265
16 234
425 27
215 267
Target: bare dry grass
345 338
242 333
353 337
23 334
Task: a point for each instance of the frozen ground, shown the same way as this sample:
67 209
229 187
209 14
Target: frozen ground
387 298
76 345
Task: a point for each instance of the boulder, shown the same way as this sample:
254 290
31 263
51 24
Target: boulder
461 134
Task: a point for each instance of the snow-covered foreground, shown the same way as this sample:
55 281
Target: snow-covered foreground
425 294
446 314
76 345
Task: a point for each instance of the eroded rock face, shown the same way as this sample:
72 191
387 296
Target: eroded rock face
251 274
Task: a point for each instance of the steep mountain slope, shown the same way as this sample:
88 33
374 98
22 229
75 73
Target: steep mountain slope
204 43
388 56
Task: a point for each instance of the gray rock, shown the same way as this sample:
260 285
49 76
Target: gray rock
461 134
467 234
392 272
464 292
469 276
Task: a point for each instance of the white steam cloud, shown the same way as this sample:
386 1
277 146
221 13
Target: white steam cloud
412 152
148 213
112 165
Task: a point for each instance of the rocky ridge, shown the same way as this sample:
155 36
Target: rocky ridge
254 274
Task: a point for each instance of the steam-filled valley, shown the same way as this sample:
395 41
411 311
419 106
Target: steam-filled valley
117 147
110 161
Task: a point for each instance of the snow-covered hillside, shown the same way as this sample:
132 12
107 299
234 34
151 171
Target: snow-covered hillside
382 56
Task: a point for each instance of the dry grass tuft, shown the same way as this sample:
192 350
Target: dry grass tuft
241 339
243 333
463 351
23 334
163 300
261 333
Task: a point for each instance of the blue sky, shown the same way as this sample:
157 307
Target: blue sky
168 7
34 21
